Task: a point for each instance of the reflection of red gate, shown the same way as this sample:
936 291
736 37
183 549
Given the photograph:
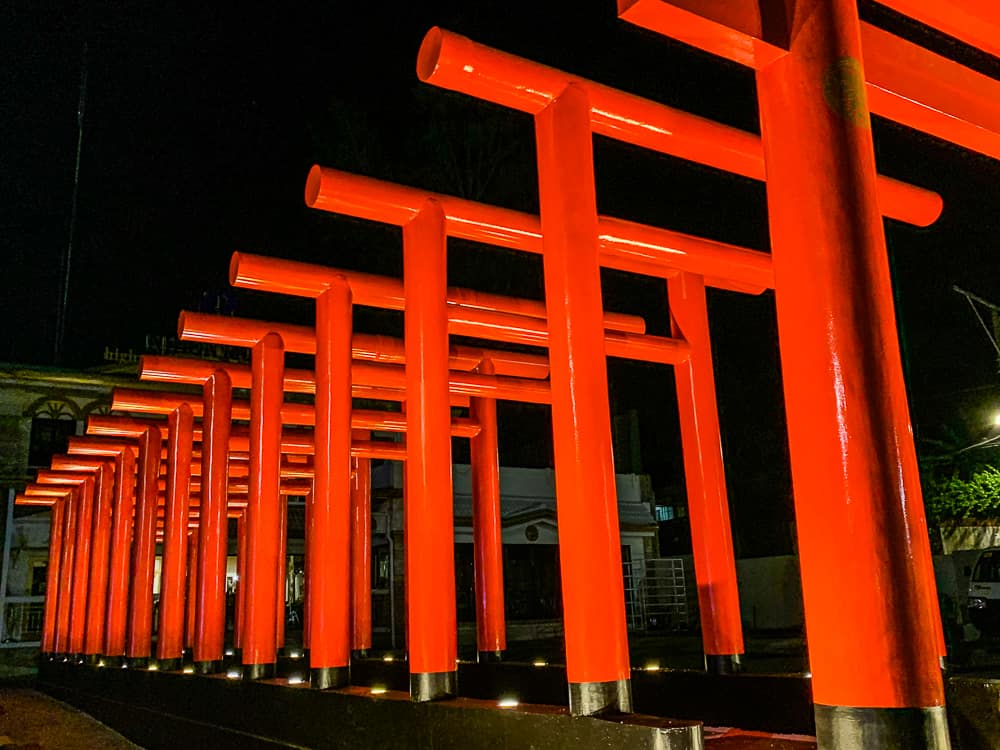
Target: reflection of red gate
870 605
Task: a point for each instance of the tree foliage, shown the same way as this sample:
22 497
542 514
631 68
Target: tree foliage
957 497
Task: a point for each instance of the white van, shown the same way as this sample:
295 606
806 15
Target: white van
984 591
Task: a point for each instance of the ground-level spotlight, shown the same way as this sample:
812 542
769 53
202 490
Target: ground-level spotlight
188 670
388 657
379 690
295 680
653 666
233 674
540 663
508 702
295 655
229 652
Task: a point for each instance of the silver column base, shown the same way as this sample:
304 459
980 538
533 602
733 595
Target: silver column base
848 728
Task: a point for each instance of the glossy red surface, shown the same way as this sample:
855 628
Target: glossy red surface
65 590
262 518
586 501
81 565
704 472
119 578
454 62
210 601
487 528
140 614
170 632
904 81
52 578
625 245
328 510
361 549
853 462
100 550
430 536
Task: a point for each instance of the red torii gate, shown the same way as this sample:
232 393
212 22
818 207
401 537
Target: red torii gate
857 495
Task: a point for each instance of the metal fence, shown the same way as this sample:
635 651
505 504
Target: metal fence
21 625
656 594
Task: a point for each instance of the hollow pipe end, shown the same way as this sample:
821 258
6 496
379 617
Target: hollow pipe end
234 265
314 182
429 53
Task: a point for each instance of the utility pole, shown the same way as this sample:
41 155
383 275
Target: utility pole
67 257
992 330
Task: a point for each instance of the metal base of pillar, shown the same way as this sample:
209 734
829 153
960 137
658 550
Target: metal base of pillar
138 662
723 663
592 698
170 665
208 667
433 686
489 657
91 660
848 728
259 671
327 678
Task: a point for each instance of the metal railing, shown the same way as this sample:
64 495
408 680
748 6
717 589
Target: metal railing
656 594
21 625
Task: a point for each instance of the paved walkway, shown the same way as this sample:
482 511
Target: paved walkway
30 720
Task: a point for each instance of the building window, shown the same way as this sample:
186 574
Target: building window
48 436
664 513
39 576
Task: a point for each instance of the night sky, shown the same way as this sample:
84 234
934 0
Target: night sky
199 128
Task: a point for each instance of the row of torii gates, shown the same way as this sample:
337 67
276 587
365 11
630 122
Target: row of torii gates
874 630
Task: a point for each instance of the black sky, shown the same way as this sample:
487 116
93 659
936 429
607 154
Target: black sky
201 124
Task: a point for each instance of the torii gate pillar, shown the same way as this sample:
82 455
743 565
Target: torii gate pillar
869 612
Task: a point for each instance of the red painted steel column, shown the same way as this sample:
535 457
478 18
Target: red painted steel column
68 551
81 567
97 596
52 577
430 536
708 504
121 546
487 529
241 578
281 573
306 619
259 602
140 622
210 605
328 545
170 638
597 660
868 606
191 595
361 550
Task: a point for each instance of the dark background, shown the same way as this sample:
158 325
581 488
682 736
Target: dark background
199 127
